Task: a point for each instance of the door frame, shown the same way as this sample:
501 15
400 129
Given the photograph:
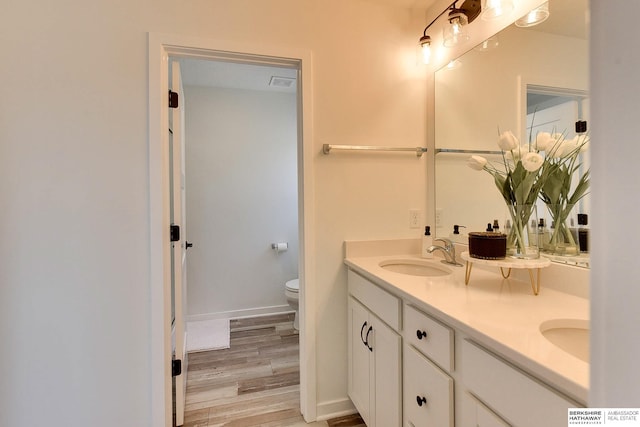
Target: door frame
161 46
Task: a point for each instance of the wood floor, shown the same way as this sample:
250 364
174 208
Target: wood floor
255 382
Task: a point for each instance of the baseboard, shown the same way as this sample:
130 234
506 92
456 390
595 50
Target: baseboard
334 409
236 314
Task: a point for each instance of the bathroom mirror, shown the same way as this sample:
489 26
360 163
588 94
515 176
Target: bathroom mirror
495 87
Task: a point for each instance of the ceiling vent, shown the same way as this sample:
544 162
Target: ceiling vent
282 82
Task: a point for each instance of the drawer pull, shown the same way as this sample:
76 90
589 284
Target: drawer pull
421 400
364 325
421 334
366 341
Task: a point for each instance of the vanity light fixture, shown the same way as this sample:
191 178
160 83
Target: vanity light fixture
494 9
425 49
535 17
455 32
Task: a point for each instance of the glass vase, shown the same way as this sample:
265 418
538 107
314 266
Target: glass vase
522 232
561 240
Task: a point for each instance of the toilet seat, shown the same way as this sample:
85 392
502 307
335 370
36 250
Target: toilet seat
293 285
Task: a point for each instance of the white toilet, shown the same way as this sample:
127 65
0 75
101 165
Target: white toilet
291 291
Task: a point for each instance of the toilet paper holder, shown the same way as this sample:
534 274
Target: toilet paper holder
280 247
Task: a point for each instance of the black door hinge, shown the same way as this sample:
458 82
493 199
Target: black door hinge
173 99
176 367
174 233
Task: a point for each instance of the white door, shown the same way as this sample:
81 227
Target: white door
179 247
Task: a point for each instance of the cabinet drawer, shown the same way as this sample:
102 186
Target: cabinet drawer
376 299
437 344
517 397
428 392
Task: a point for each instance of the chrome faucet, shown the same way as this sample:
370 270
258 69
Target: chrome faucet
448 249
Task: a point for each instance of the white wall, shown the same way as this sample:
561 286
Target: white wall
74 293
615 377
241 154
74 282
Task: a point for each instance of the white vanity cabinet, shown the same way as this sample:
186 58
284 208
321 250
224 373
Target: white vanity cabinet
410 367
374 353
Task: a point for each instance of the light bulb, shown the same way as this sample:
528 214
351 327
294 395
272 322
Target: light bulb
426 53
456 32
425 49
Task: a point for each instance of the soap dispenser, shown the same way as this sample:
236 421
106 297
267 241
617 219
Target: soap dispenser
427 241
583 232
458 237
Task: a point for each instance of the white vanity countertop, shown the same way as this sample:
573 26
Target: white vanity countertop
501 314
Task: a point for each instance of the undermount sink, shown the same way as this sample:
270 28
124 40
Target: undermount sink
570 335
415 267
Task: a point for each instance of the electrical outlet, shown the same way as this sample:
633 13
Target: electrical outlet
415 218
439 215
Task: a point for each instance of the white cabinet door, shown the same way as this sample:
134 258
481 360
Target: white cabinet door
387 356
360 368
428 392
375 370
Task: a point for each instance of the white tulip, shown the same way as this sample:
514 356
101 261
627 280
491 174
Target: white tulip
516 154
476 162
544 141
507 141
532 161
559 149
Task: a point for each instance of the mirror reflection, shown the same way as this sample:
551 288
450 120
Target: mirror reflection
525 80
